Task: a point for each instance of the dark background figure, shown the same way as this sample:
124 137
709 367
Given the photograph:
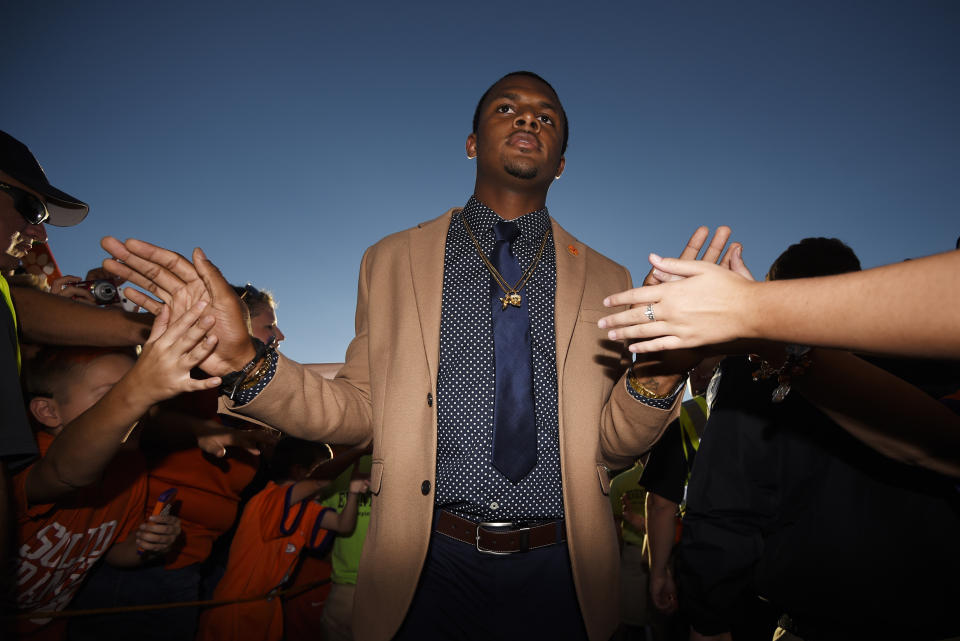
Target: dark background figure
784 503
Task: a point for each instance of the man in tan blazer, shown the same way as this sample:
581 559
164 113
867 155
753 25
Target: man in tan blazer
418 380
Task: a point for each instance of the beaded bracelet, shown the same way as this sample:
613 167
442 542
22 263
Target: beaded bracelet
230 383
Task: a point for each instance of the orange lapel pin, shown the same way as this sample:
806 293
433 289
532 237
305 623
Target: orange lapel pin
573 250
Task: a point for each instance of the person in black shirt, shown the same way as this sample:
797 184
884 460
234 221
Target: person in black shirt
786 504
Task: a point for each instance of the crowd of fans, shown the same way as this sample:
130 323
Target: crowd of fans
803 492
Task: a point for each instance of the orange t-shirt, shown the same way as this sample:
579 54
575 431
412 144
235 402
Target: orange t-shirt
208 488
302 612
60 542
263 556
208 493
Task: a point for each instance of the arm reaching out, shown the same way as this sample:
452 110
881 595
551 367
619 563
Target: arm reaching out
344 522
41 315
80 452
905 309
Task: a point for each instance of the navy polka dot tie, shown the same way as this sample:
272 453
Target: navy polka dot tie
514 419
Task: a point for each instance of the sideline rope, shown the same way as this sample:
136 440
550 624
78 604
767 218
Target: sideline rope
65 614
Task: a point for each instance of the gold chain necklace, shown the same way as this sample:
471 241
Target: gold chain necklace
511 295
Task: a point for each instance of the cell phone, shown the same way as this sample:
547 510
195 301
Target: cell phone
162 507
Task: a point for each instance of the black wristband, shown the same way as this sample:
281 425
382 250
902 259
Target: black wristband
230 383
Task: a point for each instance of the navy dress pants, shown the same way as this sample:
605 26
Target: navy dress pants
466 595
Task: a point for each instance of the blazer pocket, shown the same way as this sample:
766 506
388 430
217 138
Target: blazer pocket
604 473
592 316
376 476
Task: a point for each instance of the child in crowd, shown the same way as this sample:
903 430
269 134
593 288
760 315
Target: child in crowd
81 502
276 526
187 445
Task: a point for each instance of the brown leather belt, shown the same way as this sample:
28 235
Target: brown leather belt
500 538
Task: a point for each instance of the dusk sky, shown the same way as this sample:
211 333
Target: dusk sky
286 137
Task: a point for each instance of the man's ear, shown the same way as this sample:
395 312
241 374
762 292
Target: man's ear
46 411
563 163
472 145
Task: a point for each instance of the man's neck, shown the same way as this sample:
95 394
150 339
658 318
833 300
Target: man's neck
509 203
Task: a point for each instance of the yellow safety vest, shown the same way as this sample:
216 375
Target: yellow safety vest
5 289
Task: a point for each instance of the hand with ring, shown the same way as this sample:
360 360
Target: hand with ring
624 325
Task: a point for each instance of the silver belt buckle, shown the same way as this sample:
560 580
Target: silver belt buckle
496 524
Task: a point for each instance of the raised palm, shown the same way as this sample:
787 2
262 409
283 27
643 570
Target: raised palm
180 284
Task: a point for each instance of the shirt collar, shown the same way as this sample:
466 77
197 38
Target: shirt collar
481 219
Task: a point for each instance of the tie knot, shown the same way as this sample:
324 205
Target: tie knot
505 230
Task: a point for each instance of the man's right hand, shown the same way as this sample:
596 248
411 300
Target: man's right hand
180 284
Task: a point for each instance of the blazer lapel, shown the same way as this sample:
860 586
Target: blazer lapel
427 247
571 277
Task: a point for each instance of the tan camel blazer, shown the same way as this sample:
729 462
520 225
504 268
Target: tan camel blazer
387 390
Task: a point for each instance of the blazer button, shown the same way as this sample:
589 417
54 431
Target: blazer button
429 403
425 488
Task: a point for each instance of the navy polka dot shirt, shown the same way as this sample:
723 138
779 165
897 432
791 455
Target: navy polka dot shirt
467 482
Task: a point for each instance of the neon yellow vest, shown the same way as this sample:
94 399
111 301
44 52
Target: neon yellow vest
5 289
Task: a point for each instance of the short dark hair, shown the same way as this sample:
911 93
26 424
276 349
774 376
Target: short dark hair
291 451
528 74
814 257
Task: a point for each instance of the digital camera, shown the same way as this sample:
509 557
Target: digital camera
104 292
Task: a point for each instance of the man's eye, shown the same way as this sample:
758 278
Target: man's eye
547 120
504 109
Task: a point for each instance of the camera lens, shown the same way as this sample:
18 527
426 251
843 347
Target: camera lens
104 291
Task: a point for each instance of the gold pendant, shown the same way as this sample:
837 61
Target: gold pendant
512 298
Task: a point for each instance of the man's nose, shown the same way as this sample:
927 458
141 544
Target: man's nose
527 119
278 334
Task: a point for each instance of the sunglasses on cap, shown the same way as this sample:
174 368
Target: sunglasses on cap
249 290
28 205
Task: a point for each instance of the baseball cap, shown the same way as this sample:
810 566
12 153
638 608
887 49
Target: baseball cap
17 161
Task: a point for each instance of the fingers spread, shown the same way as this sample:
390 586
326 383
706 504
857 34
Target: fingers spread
695 244
175 265
201 350
150 304
157 270
720 238
185 330
677 267
160 324
124 271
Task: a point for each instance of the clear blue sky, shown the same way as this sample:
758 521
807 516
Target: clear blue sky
287 137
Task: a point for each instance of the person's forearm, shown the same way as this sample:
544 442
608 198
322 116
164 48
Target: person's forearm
908 308
49 319
346 520
661 530
885 412
79 454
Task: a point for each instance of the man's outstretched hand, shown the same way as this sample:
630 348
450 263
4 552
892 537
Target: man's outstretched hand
180 284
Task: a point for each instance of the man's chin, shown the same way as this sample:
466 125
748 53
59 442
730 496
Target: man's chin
521 170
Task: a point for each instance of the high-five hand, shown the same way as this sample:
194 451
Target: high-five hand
180 284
